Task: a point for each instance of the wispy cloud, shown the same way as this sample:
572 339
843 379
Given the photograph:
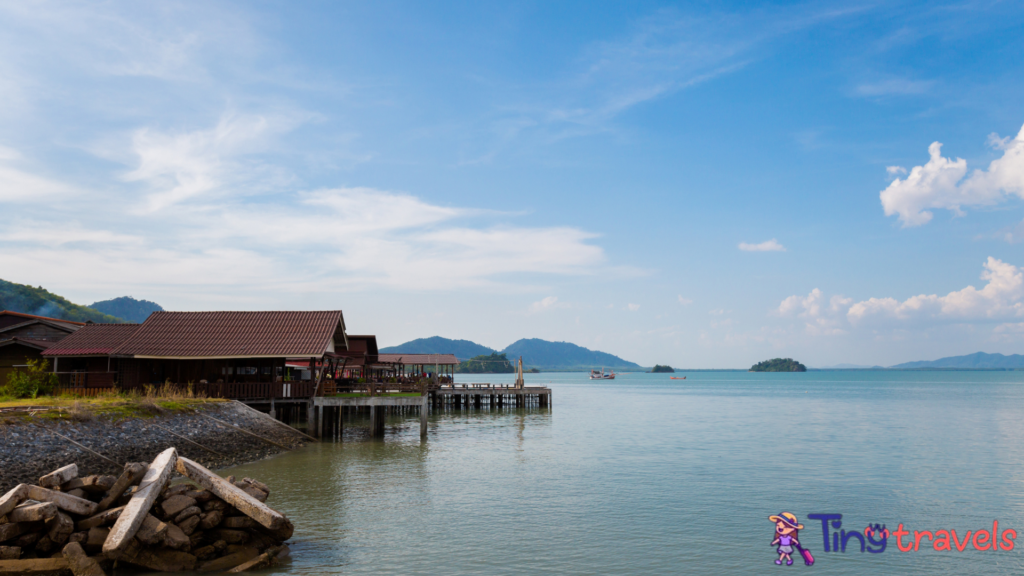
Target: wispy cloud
894 87
548 303
766 246
684 301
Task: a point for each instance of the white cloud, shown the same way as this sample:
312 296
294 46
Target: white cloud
684 301
766 246
548 303
941 183
1001 298
632 307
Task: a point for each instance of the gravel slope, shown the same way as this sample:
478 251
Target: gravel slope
27 451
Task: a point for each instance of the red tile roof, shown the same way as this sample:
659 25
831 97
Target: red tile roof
236 334
93 340
410 359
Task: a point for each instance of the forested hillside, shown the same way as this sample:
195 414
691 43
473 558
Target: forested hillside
40 302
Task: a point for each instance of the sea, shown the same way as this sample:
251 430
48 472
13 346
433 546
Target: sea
647 475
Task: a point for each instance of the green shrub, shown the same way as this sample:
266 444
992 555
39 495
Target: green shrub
31 382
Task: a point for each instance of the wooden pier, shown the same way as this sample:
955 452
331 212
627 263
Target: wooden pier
327 413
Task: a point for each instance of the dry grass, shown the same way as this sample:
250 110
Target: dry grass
80 412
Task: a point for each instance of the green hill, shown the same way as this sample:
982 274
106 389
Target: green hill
562 355
494 363
462 349
779 365
128 308
40 302
536 353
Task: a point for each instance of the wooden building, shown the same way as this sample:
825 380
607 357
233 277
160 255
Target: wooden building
223 354
23 337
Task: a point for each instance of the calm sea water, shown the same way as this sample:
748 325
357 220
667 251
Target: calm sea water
647 475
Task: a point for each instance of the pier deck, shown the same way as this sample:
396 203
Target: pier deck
329 410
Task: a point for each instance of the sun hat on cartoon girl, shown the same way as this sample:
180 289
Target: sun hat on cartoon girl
787 518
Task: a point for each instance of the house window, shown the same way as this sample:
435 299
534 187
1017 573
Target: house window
248 370
228 370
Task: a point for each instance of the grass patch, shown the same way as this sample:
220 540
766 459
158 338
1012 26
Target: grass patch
116 406
365 395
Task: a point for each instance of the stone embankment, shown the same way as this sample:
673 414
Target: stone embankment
83 526
32 447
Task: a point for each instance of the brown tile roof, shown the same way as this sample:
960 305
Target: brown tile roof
236 334
93 340
68 327
409 359
34 317
37 344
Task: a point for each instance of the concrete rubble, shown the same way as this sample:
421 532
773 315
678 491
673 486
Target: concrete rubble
89 525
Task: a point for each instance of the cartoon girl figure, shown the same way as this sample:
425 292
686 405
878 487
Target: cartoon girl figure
786 530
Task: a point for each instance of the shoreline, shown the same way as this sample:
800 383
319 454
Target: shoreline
28 450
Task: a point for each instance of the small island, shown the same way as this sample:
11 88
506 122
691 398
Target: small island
486 364
779 365
659 369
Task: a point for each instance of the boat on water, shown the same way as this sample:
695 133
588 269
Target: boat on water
677 377
602 375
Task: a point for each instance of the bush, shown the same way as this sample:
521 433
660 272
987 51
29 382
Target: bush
31 382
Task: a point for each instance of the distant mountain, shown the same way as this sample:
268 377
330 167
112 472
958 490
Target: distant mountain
536 353
978 360
463 349
128 308
562 355
38 301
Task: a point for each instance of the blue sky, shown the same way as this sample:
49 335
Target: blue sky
699 184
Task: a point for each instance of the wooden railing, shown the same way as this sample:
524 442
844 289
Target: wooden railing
302 389
85 383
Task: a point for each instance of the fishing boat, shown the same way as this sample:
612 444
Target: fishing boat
677 377
602 375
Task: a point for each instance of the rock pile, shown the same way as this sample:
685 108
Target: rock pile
82 526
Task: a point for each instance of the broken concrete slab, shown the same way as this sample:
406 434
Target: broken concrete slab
101 519
93 484
230 561
133 472
159 560
80 562
59 476
188 526
65 502
186 513
14 497
231 494
176 539
59 528
241 522
264 560
152 530
135 511
35 567
10 552
175 504
211 519
31 511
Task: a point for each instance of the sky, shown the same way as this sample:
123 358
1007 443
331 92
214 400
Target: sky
702 184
